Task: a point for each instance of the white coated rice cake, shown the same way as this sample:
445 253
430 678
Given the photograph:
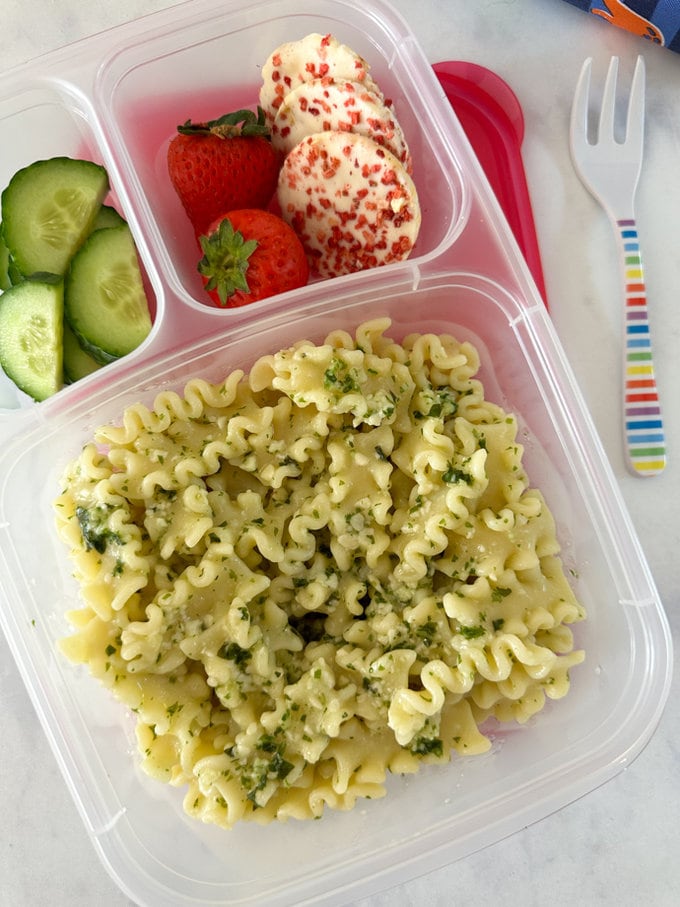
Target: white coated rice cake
312 57
351 202
343 106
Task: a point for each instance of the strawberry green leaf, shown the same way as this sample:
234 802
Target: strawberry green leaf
239 122
226 255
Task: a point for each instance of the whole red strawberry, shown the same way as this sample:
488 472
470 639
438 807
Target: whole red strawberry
222 165
250 254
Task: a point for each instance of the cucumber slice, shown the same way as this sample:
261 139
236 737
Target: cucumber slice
77 363
31 333
107 217
48 209
105 304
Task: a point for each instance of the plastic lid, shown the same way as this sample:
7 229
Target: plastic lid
492 118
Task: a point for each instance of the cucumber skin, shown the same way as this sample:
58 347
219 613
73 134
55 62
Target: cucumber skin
5 279
15 303
80 284
14 275
14 221
78 363
96 352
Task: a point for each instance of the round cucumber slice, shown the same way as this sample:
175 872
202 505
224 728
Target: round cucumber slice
105 304
48 208
31 332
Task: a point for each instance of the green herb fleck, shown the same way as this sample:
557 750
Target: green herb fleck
472 632
94 529
425 746
427 632
499 593
453 475
233 652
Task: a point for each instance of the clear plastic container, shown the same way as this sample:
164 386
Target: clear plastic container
466 277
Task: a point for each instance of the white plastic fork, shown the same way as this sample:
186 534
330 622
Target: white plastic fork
610 170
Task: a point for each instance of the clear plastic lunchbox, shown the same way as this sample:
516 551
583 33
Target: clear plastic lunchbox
116 98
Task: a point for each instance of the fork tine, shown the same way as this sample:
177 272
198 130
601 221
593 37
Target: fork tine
635 118
579 109
606 122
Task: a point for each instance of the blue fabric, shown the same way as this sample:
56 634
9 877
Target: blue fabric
655 20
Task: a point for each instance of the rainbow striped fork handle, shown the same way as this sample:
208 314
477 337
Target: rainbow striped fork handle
643 423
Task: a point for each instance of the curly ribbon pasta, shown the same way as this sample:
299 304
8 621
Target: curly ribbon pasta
304 578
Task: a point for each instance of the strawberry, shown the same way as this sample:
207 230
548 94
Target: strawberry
222 165
248 255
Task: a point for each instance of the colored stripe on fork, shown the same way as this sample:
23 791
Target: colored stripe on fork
642 410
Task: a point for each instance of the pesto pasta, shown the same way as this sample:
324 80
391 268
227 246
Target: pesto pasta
303 578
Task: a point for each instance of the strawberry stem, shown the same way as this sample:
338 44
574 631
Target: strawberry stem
224 265
239 122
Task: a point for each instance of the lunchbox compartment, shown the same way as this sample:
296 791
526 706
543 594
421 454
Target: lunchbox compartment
204 69
41 121
441 813
51 118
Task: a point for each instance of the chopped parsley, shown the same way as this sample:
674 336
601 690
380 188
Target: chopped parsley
233 652
340 377
472 632
454 475
273 766
426 746
443 404
499 593
94 528
427 632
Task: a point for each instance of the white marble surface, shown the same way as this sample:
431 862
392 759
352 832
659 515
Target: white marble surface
619 845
